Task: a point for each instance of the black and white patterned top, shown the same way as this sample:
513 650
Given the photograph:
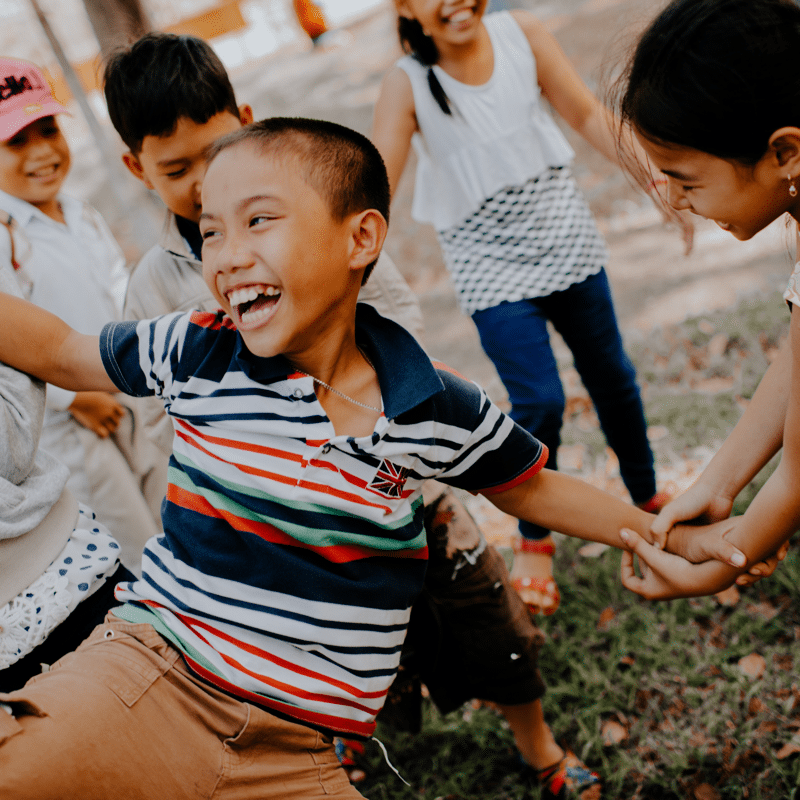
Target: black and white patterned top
525 241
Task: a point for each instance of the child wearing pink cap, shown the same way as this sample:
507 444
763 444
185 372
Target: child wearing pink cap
66 260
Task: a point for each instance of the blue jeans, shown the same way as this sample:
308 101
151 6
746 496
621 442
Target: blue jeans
515 337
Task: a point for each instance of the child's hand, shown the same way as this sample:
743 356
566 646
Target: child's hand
98 411
703 543
664 576
764 568
698 504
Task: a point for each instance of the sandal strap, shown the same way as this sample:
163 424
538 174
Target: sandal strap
566 778
545 585
523 545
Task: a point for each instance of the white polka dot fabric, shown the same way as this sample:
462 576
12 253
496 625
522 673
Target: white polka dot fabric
89 556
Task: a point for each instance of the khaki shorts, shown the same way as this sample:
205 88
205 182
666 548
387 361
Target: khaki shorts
123 717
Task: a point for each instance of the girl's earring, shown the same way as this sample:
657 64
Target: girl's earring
792 187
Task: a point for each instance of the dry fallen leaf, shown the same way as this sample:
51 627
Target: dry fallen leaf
755 706
607 616
753 665
705 791
764 610
613 733
789 749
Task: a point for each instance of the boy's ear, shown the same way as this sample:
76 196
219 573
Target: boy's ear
369 231
135 168
245 114
785 145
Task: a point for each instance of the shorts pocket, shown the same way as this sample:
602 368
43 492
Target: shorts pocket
118 660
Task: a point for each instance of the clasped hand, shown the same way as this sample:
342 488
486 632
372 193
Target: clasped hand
688 560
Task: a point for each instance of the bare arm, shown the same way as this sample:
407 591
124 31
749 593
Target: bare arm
570 506
756 438
37 342
394 123
566 91
772 517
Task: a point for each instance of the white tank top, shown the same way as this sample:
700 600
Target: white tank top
499 134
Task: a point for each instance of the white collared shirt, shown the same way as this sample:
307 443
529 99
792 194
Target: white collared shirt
73 270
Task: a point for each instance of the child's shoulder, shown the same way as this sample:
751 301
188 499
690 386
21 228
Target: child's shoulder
164 281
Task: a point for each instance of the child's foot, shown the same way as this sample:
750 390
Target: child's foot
346 750
568 778
532 574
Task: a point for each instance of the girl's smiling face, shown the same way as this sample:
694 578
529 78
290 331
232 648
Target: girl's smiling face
741 199
34 163
450 22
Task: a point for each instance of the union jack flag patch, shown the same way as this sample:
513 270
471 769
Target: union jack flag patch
389 479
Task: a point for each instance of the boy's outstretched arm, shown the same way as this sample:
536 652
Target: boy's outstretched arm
571 506
35 341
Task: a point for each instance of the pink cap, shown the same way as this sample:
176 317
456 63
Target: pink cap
25 96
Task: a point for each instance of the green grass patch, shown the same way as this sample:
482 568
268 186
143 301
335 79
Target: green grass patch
668 673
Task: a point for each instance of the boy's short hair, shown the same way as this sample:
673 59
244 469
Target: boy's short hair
159 79
341 164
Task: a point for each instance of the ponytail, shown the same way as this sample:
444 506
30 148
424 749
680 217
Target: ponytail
419 45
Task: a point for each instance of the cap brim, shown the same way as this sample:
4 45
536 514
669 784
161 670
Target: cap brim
11 124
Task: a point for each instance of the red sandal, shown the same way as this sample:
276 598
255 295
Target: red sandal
569 778
546 586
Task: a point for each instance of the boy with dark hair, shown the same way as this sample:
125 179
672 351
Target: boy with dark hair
170 98
272 611
167 153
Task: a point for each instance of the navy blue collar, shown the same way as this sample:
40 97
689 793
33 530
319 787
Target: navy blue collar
405 373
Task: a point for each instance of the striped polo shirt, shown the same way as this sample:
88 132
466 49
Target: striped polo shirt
291 556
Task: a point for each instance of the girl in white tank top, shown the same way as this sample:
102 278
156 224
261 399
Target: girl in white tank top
493 178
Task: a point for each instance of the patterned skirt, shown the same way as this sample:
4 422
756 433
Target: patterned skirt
526 241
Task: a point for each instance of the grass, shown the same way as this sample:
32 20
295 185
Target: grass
666 675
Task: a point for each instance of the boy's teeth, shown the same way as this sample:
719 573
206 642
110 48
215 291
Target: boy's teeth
45 171
461 16
249 293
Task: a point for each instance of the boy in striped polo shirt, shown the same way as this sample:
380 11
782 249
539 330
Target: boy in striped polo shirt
271 612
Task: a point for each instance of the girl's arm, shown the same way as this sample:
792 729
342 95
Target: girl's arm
566 91
756 438
393 124
35 341
772 517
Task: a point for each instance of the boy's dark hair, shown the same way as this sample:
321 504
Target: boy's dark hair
718 76
342 165
417 43
160 78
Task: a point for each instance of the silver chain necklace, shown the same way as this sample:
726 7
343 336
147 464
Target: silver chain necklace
342 394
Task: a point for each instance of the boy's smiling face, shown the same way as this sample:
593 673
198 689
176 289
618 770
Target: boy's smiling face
174 165
34 163
280 265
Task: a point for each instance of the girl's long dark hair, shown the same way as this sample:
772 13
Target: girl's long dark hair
718 76
414 42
